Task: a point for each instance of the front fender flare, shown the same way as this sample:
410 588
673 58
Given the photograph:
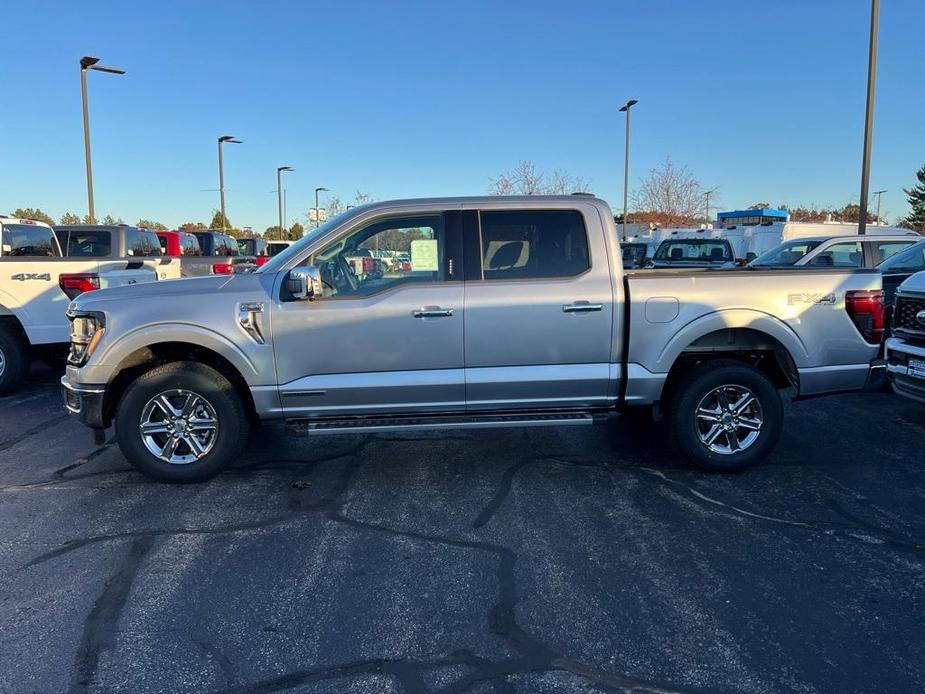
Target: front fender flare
102 369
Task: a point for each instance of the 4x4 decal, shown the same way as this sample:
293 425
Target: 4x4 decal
23 276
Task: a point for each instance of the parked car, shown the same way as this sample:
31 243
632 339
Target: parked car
635 255
513 314
36 284
693 252
899 267
256 248
905 348
117 241
185 247
836 251
224 253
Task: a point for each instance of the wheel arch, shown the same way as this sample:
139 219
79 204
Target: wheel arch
143 359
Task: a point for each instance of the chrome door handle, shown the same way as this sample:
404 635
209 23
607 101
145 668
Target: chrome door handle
432 312
582 307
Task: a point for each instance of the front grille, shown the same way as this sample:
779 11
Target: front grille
904 315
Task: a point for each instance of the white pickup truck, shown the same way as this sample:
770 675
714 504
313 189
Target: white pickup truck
36 285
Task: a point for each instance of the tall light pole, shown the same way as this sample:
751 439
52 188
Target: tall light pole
279 194
707 196
90 63
869 115
221 171
878 193
317 210
626 160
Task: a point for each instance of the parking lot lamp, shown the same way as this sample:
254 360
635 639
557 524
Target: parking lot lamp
221 171
317 209
626 160
279 194
90 63
869 113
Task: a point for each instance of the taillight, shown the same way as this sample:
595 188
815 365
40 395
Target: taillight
75 284
262 260
222 268
866 309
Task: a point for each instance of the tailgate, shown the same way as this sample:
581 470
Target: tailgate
166 268
118 273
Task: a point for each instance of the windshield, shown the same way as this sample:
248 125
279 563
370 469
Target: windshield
27 240
910 260
695 250
279 260
785 254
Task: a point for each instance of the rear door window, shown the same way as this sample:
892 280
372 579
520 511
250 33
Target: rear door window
887 249
535 244
189 245
88 244
843 254
27 240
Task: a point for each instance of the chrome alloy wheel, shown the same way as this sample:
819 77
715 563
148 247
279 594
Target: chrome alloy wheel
729 419
178 426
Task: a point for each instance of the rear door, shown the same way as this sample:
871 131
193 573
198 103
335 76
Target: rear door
539 310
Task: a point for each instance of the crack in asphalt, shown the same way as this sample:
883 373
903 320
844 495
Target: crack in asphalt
101 625
852 530
100 628
38 428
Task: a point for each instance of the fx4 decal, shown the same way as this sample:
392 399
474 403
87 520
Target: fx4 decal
804 298
23 276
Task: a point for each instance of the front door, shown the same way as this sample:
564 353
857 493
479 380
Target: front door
386 337
539 313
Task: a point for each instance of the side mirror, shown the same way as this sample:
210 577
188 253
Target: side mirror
304 283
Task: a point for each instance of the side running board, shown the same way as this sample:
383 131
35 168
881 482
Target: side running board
328 427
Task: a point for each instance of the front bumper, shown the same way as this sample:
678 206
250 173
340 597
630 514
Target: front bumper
86 402
898 352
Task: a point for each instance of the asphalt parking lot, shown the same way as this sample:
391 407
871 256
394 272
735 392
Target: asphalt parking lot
530 560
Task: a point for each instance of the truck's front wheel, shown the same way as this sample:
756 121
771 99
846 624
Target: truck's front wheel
14 359
181 422
724 416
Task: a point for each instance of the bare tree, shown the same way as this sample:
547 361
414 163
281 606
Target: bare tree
527 179
672 193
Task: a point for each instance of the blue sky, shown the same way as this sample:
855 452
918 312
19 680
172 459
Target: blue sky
408 99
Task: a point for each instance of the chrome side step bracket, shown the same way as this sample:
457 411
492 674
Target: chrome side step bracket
330 427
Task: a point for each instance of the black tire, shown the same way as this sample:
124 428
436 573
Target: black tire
230 436
14 359
699 384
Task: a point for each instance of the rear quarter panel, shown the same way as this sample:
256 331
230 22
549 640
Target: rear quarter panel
803 309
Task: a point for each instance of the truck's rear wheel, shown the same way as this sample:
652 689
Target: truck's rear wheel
181 422
724 416
14 359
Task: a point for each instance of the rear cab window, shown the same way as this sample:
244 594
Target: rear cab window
533 244
92 243
141 243
27 240
189 245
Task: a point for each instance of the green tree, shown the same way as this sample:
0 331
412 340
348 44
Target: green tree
33 213
69 218
149 224
109 219
916 218
296 231
274 233
194 226
216 222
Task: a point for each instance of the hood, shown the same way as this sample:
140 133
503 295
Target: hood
193 287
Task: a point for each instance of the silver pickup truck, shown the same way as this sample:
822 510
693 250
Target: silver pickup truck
511 312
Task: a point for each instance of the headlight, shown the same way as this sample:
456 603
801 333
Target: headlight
86 331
